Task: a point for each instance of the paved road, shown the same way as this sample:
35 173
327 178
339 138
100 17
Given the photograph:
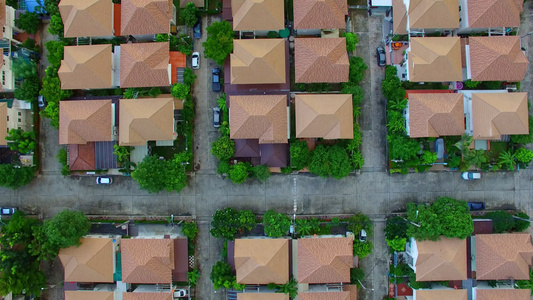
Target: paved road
374 192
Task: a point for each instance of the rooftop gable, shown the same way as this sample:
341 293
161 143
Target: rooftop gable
147 261
86 67
83 121
89 295
258 14
81 157
441 260
344 295
262 296
86 18
435 59
425 14
399 17
494 13
92 261
328 116
499 294
147 296
434 115
440 294
320 14
262 261
258 61
140 17
497 58
144 65
321 60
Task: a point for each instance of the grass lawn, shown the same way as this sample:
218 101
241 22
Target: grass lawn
495 149
168 151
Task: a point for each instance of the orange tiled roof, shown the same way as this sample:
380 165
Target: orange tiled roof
320 14
321 60
84 121
144 65
141 17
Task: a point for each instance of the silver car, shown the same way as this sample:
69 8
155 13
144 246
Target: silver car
196 60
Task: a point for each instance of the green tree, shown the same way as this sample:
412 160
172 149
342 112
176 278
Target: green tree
396 122
502 221
188 77
56 25
362 249
429 227
28 90
21 141
358 222
223 148
51 7
155 175
357 69
357 93
524 138
193 276
402 147
429 157
521 225
454 217
28 21
524 157
180 90
189 14
507 160
228 222
190 230
55 52
395 228
351 41
24 69
330 161
223 167
238 173
300 155
290 288
275 224
307 226
356 276
30 44
397 244
14 177
122 152
222 276
67 228
471 84
18 231
219 42
20 274
261 172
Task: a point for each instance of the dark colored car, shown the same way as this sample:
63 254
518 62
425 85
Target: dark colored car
476 205
7 211
197 30
216 117
216 80
41 102
380 53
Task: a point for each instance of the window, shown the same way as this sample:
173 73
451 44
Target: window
8 118
459 7
19 113
19 120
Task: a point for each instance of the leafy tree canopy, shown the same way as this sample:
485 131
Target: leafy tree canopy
219 42
21 141
189 14
239 172
223 148
261 172
300 155
357 69
228 222
155 175
28 21
66 228
222 275
276 224
180 90
15 177
56 25
330 161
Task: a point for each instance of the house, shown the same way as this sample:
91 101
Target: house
503 256
92 156
7 40
89 295
87 67
435 114
434 59
262 117
327 116
333 295
489 15
144 64
272 155
509 293
399 17
147 119
17 115
92 261
321 60
324 260
197 3
258 61
439 294
319 14
85 121
262 296
147 296
495 58
262 261
146 17
432 15
259 16
147 261
440 260
89 18
497 114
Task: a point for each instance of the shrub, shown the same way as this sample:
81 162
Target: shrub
228 222
219 42
357 275
180 90
330 161
524 138
357 69
351 41
190 230
223 167
395 228
300 155
222 276
362 249
261 172
397 244
521 225
62 157
189 14
275 224
358 222
471 84
503 221
239 173
223 148
307 227
524 156
193 276
28 21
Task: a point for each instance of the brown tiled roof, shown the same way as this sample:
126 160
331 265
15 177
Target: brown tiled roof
497 58
434 14
324 296
503 256
140 17
496 114
86 18
441 260
3 123
325 260
92 261
502 294
197 3
434 115
262 261
81 157
3 19
320 14
399 17
147 261
262 117
144 65
352 288
440 294
328 116
84 121
262 296
258 61
247 148
147 296
181 259
275 155
258 14
89 295
86 67
435 59
494 13
321 60
147 119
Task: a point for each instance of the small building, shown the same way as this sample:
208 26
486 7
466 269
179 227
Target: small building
427 16
262 261
14 114
258 61
311 16
85 121
258 16
141 17
493 16
434 59
327 116
321 60
438 294
509 293
144 64
89 18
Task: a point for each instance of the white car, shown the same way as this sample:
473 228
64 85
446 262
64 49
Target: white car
179 293
104 180
196 60
471 175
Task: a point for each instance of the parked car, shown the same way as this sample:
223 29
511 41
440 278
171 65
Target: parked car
197 30
178 293
439 148
41 102
216 79
476 205
196 60
7 211
216 117
362 236
104 180
471 175
380 51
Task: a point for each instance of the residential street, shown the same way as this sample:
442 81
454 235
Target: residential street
374 192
